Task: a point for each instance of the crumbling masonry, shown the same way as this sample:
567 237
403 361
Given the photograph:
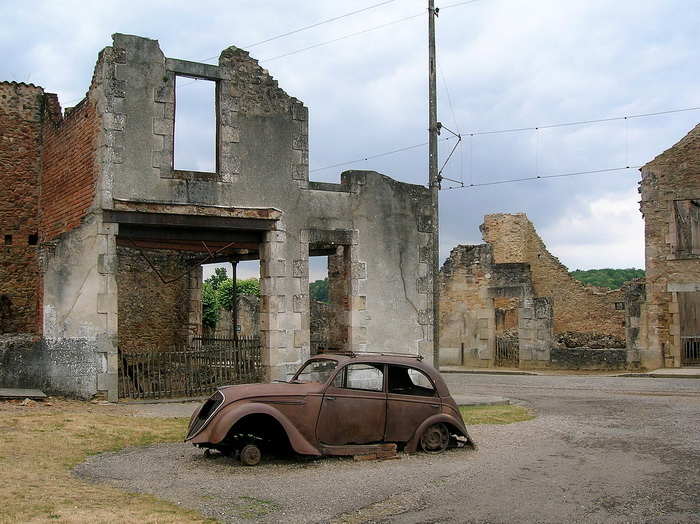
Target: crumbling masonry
667 332
101 239
512 287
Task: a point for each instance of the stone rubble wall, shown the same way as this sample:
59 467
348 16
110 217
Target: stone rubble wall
20 169
673 175
576 307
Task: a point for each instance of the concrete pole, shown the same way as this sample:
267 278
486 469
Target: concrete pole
433 179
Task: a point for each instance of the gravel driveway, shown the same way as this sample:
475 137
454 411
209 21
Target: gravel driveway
601 450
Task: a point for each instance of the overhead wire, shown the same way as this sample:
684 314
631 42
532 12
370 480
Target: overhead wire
512 130
364 31
311 26
539 177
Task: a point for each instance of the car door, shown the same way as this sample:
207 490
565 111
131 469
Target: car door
411 398
354 406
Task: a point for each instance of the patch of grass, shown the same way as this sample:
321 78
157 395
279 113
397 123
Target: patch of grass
40 444
501 414
252 508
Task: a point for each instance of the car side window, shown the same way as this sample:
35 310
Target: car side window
339 380
410 381
364 376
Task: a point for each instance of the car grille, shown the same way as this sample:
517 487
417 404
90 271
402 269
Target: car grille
208 409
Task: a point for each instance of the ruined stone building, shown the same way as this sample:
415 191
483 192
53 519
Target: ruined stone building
667 333
511 293
102 238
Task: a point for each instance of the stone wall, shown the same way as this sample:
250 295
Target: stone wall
671 269
20 168
153 306
576 307
248 319
110 179
588 359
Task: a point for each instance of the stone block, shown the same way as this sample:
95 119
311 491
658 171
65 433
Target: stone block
230 134
300 268
300 303
359 303
162 126
106 303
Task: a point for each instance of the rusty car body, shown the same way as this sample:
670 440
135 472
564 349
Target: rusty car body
336 404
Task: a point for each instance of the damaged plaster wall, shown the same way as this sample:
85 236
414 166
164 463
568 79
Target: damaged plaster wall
110 159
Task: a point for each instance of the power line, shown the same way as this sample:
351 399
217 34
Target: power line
512 130
311 26
387 24
378 155
538 177
580 122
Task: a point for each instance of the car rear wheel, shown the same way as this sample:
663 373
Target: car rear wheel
250 455
435 438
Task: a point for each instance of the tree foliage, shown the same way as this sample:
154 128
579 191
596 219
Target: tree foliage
216 294
319 290
250 286
210 306
610 278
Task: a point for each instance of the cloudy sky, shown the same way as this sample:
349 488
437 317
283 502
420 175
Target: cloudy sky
503 64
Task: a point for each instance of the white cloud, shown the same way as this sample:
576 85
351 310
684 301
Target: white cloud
605 232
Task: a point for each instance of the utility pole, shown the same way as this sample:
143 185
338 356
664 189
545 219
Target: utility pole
434 178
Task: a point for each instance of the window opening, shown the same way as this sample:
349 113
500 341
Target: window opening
219 317
319 304
33 239
195 124
8 240
409 381
687 227
365 376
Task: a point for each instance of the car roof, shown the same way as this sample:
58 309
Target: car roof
387 358
380 358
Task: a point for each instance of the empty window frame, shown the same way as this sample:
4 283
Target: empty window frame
687 227
195 124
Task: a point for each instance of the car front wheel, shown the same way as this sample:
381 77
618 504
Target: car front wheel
435 438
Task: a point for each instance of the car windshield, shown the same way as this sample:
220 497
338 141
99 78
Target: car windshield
316 371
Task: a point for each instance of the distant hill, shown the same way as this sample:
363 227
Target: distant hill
610 278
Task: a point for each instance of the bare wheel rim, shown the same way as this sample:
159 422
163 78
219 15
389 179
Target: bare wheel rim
435 438
250 455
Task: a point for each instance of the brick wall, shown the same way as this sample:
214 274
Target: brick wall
20 165
152 315
577 307
69 167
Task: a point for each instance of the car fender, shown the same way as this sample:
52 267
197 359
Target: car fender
412 445
224 421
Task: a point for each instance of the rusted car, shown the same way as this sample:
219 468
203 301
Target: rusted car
336 404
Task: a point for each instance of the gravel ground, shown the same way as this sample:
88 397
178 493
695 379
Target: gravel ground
601 450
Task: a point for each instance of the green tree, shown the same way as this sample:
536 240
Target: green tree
319 290
250 286
210 306
607 277
218 278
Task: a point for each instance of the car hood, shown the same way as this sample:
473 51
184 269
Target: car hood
282 389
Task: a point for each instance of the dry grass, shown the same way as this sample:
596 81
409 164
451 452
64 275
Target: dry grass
501 414
40 444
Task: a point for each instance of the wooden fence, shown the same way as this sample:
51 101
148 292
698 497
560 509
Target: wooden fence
193 370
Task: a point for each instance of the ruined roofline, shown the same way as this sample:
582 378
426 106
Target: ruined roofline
690 139
540 245
20 84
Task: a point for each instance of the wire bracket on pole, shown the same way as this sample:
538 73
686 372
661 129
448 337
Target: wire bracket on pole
454 148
